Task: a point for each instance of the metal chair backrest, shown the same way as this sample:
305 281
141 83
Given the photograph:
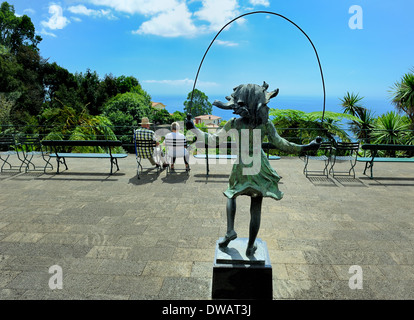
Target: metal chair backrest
175 146
144 148
29 143
7 142
325 148
347 148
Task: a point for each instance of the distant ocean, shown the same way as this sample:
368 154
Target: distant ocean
306 104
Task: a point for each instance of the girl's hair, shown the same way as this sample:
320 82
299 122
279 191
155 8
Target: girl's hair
250 102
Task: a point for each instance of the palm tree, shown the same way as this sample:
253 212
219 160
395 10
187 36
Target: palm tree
362 129
391 128
403 95
350 104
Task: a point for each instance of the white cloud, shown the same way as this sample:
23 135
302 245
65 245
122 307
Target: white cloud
226 43
164 18
182 82
173 23
57 20
218 12
260 3
46 33
82 10
172 18
29 11
146 7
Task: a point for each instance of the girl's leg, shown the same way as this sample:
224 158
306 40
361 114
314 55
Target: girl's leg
255 215
231 214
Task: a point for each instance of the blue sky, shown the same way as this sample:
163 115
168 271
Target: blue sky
161 43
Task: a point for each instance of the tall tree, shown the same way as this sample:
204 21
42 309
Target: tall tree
126 110
363 128
403 95
200 104
32 77
20 63
88 84
16 31
126 84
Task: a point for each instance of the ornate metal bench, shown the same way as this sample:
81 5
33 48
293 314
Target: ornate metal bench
57 147
231 147
374 148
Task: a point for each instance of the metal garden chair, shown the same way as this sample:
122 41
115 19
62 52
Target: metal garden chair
32 146
323 154
144 149
176 148
344 152
8 147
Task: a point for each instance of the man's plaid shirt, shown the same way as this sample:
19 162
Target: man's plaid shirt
144 152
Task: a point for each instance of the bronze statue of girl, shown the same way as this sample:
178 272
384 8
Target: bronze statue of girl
250 101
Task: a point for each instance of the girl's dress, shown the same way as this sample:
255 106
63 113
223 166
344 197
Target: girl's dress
249 176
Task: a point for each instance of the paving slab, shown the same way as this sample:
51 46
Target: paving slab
119 237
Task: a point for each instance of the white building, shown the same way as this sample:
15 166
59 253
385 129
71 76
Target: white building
208 120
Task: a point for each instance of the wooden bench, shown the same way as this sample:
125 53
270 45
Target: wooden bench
374 148
62 155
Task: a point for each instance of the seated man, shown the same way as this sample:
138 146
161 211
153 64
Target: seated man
176 144
148 152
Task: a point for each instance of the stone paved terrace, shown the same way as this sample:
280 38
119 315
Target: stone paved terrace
116 237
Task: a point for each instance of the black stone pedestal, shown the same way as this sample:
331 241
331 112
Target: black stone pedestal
237 276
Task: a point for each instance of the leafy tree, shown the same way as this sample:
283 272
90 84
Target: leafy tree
58 81
6 105
126 84
108 88
178 116
9 71
302 127
88 85
162 117
222 123
29 78
403 95
126 111
67 123
20 63
16 31
200 104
